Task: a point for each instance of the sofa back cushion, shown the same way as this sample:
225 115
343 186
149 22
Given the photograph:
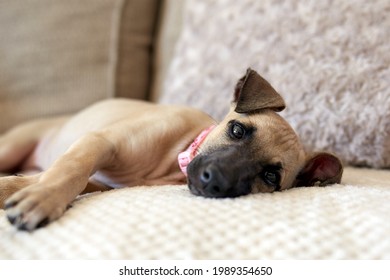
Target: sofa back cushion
57 57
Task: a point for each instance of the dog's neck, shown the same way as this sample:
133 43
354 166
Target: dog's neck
188 155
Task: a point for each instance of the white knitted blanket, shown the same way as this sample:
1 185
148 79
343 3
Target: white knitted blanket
346 221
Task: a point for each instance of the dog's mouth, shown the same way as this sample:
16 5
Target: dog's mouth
215 192
194 190
201 191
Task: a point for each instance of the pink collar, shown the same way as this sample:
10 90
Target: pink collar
188 155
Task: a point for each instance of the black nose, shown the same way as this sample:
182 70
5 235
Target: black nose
213 181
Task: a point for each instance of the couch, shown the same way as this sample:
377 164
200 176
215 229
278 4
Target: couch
330 63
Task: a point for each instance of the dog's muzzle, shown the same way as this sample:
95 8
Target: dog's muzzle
221 173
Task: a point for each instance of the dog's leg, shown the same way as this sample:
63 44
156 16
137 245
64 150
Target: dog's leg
15 146
47 199
19 142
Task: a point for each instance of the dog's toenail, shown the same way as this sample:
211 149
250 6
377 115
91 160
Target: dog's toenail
23 226
11 219
9 204
43 223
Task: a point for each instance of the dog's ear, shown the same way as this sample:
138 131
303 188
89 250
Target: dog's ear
253 93
322 169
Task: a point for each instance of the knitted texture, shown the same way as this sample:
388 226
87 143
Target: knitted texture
328 59
349 221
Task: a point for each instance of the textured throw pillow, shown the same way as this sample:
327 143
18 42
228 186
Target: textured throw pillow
328 59
59 56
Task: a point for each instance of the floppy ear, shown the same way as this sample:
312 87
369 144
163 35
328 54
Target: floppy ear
322 168
253 93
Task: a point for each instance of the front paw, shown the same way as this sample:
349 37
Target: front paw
12 184
33 207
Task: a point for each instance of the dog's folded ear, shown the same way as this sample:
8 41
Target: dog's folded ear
253 93
322 169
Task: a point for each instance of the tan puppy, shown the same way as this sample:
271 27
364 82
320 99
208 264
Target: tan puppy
117 143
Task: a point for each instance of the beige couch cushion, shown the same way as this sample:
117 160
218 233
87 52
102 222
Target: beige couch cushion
59 56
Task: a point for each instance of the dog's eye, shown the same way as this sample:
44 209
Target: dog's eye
237 131
271 177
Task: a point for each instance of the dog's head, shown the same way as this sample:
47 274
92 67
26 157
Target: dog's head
255 150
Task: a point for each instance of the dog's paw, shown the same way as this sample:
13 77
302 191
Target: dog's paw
12 184
33 207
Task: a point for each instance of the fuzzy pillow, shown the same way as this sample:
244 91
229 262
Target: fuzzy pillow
329 60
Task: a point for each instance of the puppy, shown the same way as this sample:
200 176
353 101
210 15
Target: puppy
120 143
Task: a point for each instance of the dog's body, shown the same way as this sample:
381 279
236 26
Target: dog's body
118 142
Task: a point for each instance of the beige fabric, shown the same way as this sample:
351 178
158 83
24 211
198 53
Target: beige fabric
169 28
135 46
59 56
329 60
347 221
